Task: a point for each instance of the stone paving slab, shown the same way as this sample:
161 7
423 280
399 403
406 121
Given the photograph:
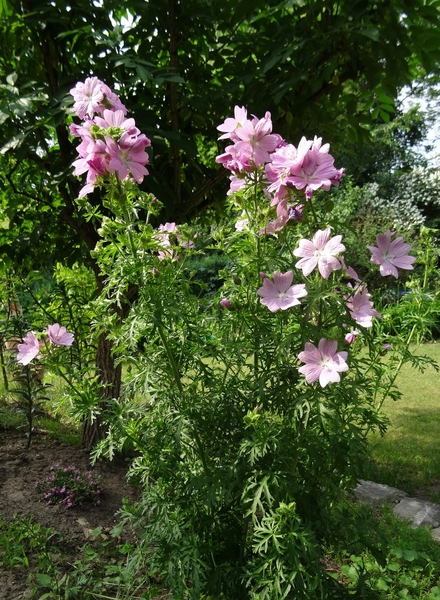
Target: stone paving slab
417 512
375 494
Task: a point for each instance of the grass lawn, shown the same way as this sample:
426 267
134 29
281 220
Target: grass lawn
408 456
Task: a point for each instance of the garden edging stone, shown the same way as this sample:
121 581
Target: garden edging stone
417 512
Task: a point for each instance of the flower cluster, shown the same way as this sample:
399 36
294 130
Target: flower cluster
253 143
110 143
71 487
286 172
31 346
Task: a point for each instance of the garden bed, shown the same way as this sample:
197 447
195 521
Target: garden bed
21 469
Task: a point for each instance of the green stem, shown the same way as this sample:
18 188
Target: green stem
312 208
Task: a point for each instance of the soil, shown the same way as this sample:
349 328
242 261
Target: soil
21 469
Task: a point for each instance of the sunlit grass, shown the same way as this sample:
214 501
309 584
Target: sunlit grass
408 456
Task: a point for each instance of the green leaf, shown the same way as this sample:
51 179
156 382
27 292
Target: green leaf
116 531
44 580
5 8
370 32
12 78
381 585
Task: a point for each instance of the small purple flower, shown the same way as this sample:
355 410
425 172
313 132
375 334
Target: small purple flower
351 336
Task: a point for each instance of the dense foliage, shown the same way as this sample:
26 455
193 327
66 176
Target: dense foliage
246 438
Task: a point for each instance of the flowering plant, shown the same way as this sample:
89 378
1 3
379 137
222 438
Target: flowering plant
250 414
70 486
31 346
30 353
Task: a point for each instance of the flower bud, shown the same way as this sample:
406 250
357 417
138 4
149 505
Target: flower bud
262 275
155 272
226 304
350 337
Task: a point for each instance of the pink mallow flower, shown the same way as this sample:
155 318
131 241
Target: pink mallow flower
320 252
94 96
88 97
391 255
231 124
128 156
323 362
280 293
361 308
59 335
29 350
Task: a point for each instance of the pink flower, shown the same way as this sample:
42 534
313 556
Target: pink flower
163 239
59 335
316 170
29 350
253 144
256 138
321 252
309 166
168 228
231 124
391 254
116 119
349 271
94 96
88 97
128 156
226 304
323 362
361 308
351 336
281 294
